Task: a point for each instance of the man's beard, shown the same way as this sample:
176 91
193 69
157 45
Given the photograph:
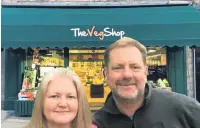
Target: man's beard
136 95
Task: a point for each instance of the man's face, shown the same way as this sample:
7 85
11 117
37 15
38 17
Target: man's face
126 73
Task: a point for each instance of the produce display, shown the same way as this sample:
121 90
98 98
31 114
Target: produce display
51 61
48 57
29 79
88 65
89 72
28 85
28 94
161 84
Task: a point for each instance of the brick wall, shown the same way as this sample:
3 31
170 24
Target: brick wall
190 75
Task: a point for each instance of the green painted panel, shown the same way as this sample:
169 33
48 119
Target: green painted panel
9 103
10 74
23 108
171 68
177 69
13 78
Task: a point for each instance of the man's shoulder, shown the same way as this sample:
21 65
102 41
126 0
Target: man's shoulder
174 97
99 114
99 118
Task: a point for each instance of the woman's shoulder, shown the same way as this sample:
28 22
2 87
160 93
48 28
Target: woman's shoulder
94 126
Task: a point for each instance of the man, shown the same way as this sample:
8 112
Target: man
135 104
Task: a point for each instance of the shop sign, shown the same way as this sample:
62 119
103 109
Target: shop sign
100 34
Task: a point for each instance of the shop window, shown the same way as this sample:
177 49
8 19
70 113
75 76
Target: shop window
37 63
157 64
88 64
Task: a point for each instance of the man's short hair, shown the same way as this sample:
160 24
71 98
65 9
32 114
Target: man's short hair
125 42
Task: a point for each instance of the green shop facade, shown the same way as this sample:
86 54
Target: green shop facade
173 27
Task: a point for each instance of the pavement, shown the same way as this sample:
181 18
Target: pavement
9 120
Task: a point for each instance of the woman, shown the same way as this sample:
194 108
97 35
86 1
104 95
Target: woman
61 102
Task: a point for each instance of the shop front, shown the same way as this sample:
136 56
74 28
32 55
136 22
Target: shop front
36 40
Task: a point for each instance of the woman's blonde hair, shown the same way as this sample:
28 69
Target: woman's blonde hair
83 118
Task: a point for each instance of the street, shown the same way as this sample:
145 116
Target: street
9 120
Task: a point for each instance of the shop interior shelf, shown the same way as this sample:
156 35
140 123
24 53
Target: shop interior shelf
23 107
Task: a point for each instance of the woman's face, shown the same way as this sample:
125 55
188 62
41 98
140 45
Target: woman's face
61 101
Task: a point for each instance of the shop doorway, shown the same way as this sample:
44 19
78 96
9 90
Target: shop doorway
197 59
